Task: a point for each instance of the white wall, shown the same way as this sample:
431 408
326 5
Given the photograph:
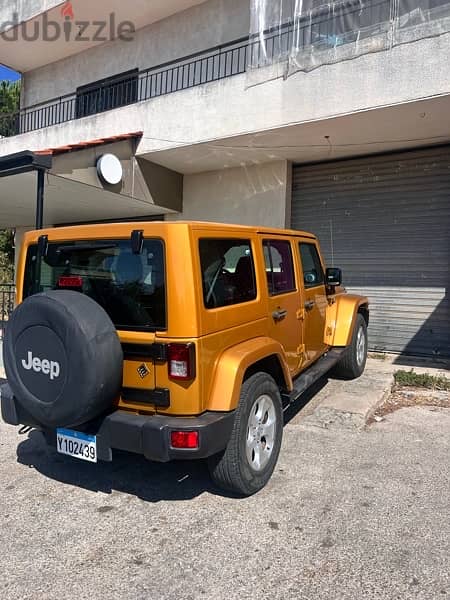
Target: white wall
196 29
228 108
257 195
25 9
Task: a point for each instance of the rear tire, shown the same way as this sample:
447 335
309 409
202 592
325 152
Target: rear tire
353 362
250 457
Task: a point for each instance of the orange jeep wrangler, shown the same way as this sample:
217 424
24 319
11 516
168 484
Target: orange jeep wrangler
175 340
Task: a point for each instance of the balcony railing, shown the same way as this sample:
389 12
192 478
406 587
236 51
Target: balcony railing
352 21
194 70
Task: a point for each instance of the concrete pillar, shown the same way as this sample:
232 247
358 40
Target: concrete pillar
249 195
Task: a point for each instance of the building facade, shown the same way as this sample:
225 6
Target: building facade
331 120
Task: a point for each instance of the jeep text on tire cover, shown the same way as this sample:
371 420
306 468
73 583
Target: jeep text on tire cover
175 340
51 368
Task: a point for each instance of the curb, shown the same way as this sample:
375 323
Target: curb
381 401
348 405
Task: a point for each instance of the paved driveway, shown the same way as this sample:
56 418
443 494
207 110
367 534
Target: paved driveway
346 516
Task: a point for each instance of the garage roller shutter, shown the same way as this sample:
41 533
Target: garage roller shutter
386 221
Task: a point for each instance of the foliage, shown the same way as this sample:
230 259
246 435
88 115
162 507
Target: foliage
6 256
9 96
423 380
9 104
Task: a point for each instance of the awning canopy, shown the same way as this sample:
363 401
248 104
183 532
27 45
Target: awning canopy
65 188
22 162
65 201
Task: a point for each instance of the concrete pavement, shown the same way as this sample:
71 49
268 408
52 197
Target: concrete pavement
350 404
347 515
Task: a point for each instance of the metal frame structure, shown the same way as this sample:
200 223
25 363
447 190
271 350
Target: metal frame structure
24 162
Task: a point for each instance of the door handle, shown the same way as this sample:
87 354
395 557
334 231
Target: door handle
279 315
309 304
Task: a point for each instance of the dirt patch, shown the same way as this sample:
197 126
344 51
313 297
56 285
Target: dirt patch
414 389
378 355
405 396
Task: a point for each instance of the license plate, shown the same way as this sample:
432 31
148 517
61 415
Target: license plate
76 444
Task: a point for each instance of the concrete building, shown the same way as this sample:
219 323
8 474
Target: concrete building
345 134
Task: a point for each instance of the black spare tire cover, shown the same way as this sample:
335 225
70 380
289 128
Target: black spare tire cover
63 358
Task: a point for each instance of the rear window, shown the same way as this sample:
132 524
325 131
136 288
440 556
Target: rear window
130 287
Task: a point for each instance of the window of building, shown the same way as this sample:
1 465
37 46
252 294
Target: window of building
279 266
312 267
228 272
106 94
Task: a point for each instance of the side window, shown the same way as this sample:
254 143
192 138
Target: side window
312 267
279 266
228 272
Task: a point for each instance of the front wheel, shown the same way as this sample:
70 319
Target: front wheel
250 457
353 362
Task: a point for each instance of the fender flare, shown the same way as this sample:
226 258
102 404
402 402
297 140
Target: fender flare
232 365
341 315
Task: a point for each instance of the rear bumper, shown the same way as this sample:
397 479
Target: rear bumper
141 434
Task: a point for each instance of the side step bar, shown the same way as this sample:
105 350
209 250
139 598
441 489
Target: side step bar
313 373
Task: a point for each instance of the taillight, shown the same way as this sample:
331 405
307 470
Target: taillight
70 281
181 361
184 439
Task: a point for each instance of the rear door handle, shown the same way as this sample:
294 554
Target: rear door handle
309 304
279 315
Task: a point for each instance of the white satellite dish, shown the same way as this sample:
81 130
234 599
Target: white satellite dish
109 169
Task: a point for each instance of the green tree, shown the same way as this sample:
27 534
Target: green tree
9 105
6 256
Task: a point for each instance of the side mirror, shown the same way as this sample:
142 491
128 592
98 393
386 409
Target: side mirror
333 276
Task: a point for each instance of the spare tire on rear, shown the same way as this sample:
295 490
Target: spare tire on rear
63 358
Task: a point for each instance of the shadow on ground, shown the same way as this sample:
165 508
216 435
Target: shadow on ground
127 473
403 360
131 473
305 403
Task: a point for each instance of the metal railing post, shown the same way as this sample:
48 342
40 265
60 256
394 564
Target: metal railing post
40 199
